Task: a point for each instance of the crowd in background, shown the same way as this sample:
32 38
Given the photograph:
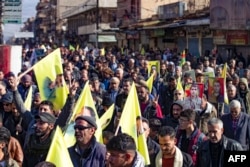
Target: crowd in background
180 130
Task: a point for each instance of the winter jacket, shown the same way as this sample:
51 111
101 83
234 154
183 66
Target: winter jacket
242 132
169 120
245 94
92 156
15 151
181 159
195 141
202 117
204 154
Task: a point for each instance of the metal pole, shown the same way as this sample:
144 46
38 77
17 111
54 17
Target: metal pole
97 22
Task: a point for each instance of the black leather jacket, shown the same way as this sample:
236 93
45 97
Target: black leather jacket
204 155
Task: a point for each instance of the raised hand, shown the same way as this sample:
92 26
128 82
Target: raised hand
155 101
14 83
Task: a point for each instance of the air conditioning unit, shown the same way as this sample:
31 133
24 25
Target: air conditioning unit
173 10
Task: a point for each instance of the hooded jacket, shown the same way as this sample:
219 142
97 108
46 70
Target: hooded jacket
169 120
245 94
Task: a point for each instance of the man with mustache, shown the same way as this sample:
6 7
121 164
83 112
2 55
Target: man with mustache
211 152
87 152
38 143
170 155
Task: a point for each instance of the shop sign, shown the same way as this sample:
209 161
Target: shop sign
237 38
219 37
157 33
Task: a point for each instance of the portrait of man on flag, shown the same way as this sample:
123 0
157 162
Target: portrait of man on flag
216 90
193 93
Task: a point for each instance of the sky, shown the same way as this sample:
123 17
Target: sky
28 10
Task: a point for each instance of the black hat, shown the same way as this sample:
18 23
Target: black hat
7 98
89 119
107 101
46 117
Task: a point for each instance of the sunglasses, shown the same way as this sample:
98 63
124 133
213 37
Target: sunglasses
7 104
80 127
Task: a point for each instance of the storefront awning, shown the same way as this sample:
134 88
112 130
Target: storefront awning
146 23
194 22
106 38
102 38
204 21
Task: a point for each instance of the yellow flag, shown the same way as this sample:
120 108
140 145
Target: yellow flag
71 47
142 51
224 71
224 75
179 85
154 64
132 109
77 47
84 101
102 52
49 76
107 116
28 100
58 152
150 82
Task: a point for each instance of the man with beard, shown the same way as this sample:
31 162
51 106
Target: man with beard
38 143
87 152
149 106
172 118
170 155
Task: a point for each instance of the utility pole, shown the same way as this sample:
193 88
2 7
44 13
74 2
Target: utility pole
97 22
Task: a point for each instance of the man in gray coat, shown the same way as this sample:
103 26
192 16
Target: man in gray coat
237 124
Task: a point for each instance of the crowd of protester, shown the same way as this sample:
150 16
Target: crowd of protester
180 131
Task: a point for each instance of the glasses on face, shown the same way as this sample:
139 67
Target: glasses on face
80 127
177 94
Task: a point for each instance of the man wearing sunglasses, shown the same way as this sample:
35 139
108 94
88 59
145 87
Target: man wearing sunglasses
87 152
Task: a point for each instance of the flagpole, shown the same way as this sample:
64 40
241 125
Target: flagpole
25 72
